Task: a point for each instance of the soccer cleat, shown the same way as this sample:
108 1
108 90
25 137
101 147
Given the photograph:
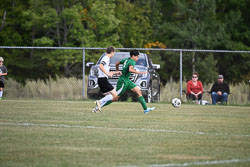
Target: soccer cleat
98 105
94 110
148 109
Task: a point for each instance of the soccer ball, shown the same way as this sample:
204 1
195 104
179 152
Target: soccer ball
176 102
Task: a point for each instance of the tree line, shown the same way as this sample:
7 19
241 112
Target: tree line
175 24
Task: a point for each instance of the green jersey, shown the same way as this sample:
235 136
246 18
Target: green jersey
125 69
123 83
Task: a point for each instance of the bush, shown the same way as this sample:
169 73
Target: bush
58 88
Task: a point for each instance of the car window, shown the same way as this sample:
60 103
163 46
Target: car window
142 61
118 57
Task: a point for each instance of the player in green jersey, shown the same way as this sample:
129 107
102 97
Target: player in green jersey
124 84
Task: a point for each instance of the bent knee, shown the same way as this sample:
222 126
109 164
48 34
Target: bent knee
116 98
224 94
137 90
139 93
214 93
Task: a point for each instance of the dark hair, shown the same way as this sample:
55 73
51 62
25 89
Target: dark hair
195 73
134 52
110 49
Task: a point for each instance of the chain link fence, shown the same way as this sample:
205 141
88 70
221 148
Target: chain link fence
60 72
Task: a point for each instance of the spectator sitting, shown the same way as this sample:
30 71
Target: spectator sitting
219 91
194 88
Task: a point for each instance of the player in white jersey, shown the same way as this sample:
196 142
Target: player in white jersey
103 74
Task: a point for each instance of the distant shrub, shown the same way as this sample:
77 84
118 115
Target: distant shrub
58 88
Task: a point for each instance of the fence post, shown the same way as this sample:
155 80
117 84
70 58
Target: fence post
83 73
181 74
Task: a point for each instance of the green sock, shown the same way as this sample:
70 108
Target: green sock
142 101
108 102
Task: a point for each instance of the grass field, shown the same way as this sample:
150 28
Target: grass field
66 133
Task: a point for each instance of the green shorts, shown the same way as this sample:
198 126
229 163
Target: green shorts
124 85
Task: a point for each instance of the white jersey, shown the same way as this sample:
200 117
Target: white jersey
105 62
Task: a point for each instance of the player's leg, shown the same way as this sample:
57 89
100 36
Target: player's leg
102 102
115 97
106 88
1 89
120 89
141 99
109 98
1 93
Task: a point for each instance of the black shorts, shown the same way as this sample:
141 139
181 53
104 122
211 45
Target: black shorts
1 84
104 85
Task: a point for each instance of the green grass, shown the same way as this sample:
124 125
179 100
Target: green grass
66 133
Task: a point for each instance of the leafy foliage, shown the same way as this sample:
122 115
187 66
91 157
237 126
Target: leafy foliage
190 24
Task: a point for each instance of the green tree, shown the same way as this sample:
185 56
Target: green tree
103 24
234 17
207 68
11 32
190 24
134 28
187 24
20 63
55 24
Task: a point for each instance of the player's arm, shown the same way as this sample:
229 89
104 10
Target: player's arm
1 74
5 72
117 65
117 68
101 66
131 69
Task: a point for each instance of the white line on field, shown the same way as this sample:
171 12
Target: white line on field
109 128
196 163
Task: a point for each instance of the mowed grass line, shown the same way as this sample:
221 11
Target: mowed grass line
66 133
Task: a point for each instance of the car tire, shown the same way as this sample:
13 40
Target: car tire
148 97
155 90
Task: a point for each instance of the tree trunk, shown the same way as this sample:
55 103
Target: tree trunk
58 26
33 38
193 62
3 21
65 29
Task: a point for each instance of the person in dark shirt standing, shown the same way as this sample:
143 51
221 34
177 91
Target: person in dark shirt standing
3 72
220 91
